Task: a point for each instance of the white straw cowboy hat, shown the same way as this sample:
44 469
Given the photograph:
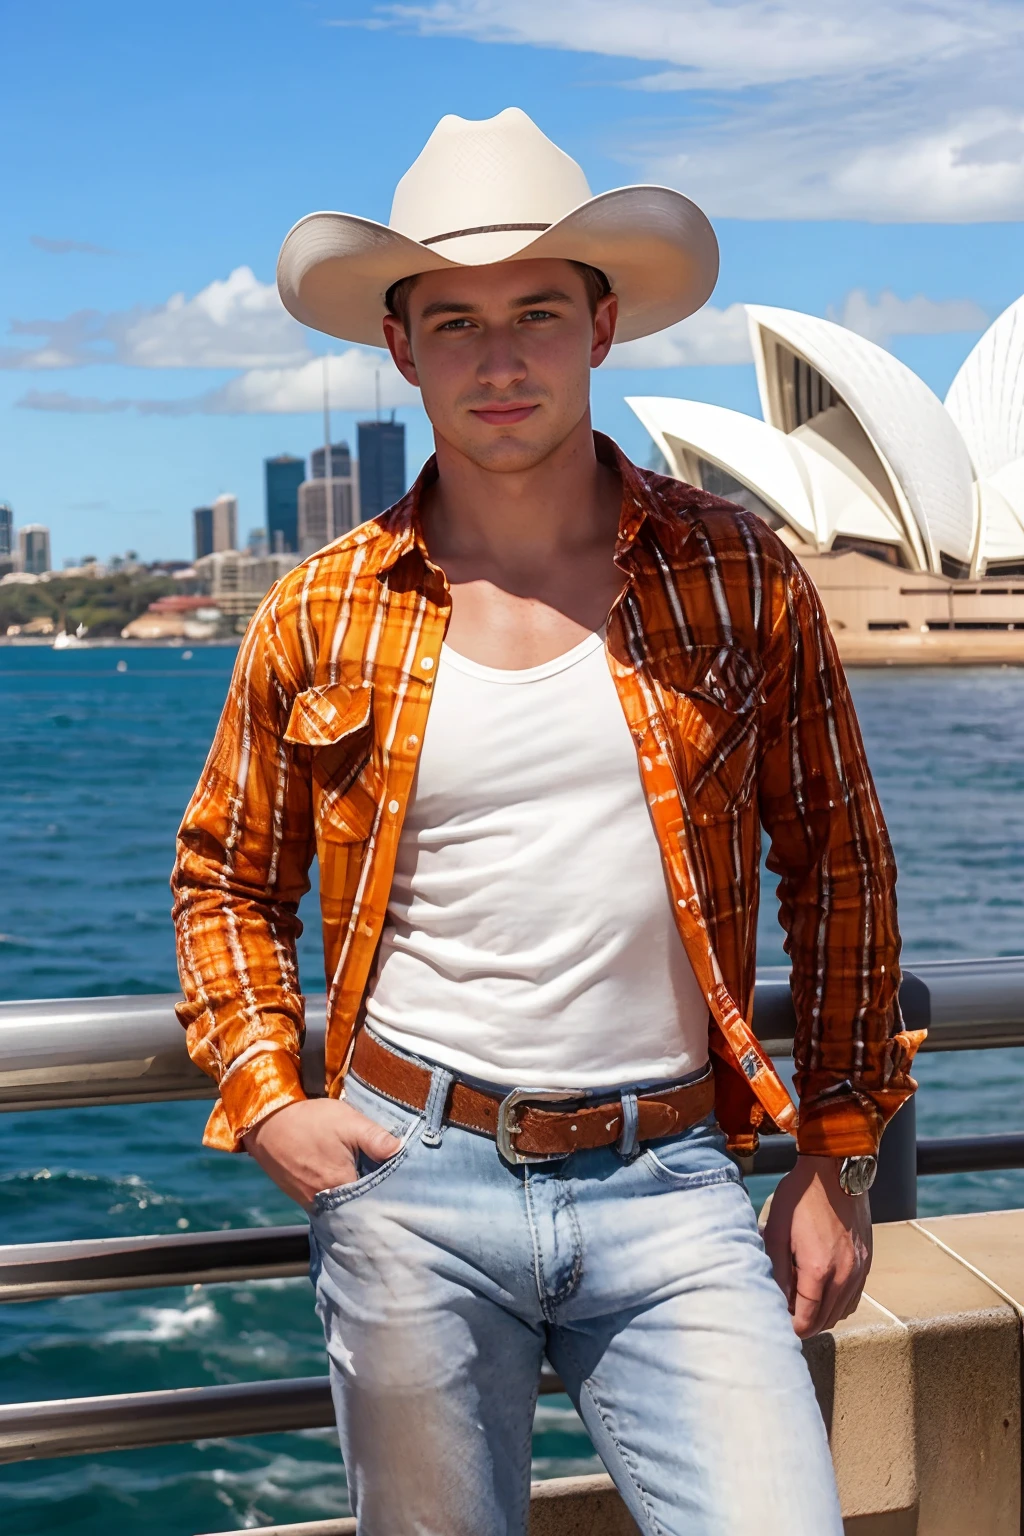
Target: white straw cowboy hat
499 190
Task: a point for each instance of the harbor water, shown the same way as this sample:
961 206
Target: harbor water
99 751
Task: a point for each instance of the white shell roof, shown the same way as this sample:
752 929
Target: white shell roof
754 453
905 421
814 490
986 399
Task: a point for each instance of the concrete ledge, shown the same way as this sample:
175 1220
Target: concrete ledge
562 1506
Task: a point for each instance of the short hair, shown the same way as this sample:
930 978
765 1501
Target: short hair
397 298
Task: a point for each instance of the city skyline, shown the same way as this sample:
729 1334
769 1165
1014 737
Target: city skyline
148 365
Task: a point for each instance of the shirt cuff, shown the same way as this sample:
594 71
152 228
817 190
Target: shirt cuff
850 1126
250 1092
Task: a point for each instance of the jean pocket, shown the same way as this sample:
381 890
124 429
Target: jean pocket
370 1174
693 1160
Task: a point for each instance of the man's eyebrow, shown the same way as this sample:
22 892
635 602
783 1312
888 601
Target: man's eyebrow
527 301
549 296
448 307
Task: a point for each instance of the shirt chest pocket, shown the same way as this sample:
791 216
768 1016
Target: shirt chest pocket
712 707
335 726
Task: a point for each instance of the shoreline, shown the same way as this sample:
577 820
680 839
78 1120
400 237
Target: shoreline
111 642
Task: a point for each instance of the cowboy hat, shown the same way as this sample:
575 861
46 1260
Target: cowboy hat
499 190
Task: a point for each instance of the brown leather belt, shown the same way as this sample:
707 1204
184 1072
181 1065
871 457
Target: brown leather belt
528 1117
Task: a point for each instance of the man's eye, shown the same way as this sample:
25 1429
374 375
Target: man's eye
539 314
454 325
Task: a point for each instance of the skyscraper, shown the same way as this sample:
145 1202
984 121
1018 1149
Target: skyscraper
315 527
225 523
34 548
6 531
202 520
341 462
381 465
283 475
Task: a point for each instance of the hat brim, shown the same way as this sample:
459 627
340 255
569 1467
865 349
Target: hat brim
655 246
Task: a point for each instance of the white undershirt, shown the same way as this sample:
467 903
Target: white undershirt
529 938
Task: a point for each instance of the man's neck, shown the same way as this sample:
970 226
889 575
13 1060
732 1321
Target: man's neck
517 521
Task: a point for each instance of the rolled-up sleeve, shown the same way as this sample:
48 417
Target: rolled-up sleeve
243 855
837 876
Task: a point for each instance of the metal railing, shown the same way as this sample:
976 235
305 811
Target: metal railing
101 1051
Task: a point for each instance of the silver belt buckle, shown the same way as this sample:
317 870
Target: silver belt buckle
507 1127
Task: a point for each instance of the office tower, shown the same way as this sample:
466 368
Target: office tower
315 528
257 545
34 548
283 476
381 465
341 462
225 523
202 520
6 531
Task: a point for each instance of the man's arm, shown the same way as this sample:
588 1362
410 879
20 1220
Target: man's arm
244 852
243 856
830 848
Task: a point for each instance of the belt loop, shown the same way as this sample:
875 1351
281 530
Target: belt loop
627 1147
437 1103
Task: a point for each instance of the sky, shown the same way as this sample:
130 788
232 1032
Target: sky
861 162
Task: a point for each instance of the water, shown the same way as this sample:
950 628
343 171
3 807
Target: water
96 766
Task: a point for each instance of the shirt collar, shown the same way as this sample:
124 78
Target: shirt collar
400 529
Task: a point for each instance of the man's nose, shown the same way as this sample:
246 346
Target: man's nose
502 363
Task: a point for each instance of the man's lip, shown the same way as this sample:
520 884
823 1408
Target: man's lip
501 415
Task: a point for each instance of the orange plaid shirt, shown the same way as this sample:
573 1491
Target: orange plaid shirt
737 704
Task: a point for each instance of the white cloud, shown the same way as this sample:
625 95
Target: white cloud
297 389
728 44
234 322
889 316
353 377
887 110
874 165
710 336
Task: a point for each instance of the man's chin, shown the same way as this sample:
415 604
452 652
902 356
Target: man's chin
507 453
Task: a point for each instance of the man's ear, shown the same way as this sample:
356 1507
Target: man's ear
606 314
401 351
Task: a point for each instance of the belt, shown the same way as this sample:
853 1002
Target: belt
528 1117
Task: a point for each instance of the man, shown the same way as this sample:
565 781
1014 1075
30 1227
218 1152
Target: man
528 721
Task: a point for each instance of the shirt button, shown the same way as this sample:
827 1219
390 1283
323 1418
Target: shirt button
412 741
427 663
368 930
393 807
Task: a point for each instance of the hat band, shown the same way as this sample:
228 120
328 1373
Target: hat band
481 229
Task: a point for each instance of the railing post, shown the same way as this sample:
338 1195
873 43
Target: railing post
894 1195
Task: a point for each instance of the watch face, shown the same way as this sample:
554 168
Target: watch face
857 1174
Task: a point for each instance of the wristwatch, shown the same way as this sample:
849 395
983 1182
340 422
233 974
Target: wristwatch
857 1174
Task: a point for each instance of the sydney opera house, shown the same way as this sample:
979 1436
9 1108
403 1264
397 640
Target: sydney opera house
907 511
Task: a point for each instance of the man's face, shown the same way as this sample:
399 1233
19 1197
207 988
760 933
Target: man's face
502 356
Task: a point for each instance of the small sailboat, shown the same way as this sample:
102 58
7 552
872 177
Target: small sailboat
62 641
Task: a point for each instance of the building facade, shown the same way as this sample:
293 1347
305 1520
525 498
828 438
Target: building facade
34 549
317 527
341 462
225 523
282 477
236 583
381 447
6 531
202 532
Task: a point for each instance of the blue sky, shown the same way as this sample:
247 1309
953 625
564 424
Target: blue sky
853 159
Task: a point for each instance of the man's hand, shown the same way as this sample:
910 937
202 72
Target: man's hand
819 1242
313 1145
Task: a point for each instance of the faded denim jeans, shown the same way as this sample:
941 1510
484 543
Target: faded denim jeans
443 1277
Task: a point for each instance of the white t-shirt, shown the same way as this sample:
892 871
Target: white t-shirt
529 937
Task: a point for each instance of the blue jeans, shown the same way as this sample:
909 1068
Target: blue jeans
443 1277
